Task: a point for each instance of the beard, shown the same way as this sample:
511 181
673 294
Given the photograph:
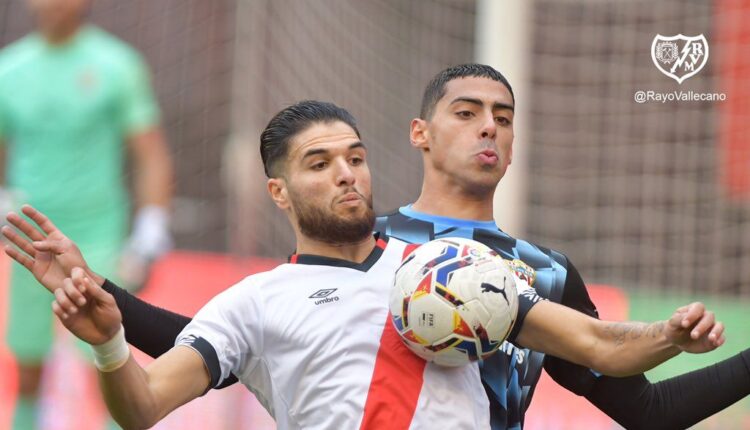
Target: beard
326 226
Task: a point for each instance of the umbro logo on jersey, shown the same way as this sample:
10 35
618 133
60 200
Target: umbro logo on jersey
323 293
324 296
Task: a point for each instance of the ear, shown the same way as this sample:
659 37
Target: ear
418 134
279 193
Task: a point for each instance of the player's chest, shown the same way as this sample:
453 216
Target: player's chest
57 96
329 313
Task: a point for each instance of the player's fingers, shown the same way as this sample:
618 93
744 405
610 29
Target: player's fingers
53 246
62 299
693 314
21 258
97 291
39 218
82 279
721 341
57 310
17 240
74 293
78 276
705 324
676 320
24 226
716 333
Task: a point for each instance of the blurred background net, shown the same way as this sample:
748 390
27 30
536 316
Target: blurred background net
641 195
636 194
650 197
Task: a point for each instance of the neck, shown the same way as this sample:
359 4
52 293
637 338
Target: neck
61 36
443 198
355 252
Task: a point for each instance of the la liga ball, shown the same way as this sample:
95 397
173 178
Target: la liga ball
453 301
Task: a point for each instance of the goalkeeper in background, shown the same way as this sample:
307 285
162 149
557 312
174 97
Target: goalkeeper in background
72 97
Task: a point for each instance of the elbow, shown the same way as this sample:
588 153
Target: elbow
602 361
136 419
136 424
612 366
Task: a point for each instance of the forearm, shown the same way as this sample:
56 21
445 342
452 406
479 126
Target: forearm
129 397
153 170
629 348
138 398
149 328
615 349
3 152
678 402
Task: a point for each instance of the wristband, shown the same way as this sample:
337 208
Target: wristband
150 236
112 354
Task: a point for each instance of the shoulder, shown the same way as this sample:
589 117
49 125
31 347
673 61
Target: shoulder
545 269
381 222
532 252
249 288
112 50
404 227
280 280
20 53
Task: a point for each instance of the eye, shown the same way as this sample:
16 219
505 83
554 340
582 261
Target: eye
502 120
320 165
465 114
356 161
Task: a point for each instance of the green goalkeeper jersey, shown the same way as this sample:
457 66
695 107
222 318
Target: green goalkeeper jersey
65 113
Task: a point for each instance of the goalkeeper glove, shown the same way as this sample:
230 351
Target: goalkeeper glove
149 240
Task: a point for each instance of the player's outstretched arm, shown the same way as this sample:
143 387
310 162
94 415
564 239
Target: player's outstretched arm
635 402
50 256
618 348
136 397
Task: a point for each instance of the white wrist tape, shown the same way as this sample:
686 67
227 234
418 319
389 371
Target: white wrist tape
112 354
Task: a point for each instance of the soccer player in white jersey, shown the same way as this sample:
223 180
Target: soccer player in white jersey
312 338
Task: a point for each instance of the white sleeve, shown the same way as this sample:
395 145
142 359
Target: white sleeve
227 332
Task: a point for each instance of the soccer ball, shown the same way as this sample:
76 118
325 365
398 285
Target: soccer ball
453 301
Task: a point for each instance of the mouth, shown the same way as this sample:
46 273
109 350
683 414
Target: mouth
350 199
488 157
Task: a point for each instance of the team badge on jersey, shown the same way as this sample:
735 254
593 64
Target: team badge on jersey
523 271
679 57
88 81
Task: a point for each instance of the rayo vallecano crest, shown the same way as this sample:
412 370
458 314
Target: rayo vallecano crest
679 57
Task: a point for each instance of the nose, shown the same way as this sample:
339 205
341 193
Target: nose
344 173
488 128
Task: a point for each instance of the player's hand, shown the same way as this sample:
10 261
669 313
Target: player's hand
86 309
694 329
48 254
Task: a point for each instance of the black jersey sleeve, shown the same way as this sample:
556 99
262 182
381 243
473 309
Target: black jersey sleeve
636 403
149 328
674 403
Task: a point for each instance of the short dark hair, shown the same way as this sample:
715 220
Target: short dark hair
290 121
435 90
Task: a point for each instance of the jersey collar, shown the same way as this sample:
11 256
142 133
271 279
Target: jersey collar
381 242
456 222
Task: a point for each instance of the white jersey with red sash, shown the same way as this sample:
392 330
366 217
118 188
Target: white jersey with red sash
314 341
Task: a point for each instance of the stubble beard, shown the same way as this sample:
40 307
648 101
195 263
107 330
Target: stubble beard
327 226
